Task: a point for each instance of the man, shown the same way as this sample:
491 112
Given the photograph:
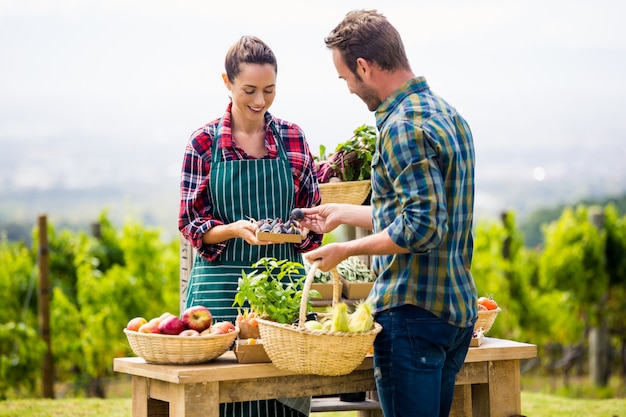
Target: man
421 216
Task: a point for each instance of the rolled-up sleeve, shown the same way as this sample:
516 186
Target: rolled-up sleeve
420 219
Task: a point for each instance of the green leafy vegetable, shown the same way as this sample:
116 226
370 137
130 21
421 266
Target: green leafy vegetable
352 159
274 289
355 270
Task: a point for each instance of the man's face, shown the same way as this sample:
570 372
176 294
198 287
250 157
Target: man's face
356 84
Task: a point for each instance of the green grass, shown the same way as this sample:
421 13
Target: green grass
545 405
118 407
533 404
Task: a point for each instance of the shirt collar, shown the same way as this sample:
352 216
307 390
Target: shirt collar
226 133
388 106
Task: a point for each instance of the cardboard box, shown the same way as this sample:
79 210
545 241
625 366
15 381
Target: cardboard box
356 290
478 340
326 289
251 353
246 331
279 237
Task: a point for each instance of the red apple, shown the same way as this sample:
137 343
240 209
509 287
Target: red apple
197 318
135 323
171 325
222 327
150 327
165 315
189 333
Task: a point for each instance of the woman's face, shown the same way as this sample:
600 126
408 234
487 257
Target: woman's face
253 91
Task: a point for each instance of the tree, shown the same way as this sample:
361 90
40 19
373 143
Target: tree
507 270
616 268
21 349
584 256
123 275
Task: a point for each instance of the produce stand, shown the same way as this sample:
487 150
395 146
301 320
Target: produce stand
487 385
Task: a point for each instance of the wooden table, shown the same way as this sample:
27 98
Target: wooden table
487 385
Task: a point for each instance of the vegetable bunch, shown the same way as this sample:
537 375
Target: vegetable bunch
341 320
352 269
352 159
362 318
274 289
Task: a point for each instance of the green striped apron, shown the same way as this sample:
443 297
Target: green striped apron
258 188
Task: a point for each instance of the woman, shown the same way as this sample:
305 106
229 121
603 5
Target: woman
244 165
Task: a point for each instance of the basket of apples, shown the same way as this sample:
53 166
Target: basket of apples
190 338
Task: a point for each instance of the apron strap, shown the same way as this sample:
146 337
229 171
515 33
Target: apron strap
216 156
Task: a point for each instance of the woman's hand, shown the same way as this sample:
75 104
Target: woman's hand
244 229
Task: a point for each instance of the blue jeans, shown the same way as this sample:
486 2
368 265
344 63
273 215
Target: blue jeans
416 359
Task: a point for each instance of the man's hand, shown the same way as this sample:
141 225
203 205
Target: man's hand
322 219
329 255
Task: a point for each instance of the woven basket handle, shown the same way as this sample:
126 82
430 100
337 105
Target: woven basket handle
307 288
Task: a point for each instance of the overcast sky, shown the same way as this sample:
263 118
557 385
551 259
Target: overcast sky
536 75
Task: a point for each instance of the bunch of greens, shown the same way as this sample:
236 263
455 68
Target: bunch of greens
352 159
355 270
274 289
352 269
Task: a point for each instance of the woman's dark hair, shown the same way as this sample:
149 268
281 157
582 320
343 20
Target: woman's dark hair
248 50
368 34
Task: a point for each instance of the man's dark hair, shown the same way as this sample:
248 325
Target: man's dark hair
368 34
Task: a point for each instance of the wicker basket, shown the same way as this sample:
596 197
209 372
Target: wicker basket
486 318
166 349
319 352
352 192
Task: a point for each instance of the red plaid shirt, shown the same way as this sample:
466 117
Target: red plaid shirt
196 210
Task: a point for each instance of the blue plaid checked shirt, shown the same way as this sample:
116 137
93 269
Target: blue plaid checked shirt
423 195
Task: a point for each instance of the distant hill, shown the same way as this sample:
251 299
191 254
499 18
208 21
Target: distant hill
73 180
78 209
158 207
531 227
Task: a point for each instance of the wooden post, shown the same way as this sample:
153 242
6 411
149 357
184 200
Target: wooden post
47 368
359 233
96 230
187 254
599 339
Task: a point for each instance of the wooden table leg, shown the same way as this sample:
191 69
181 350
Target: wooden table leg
195 400
504 388
140 396
153 398
372 395
142 404
462 401
501 397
